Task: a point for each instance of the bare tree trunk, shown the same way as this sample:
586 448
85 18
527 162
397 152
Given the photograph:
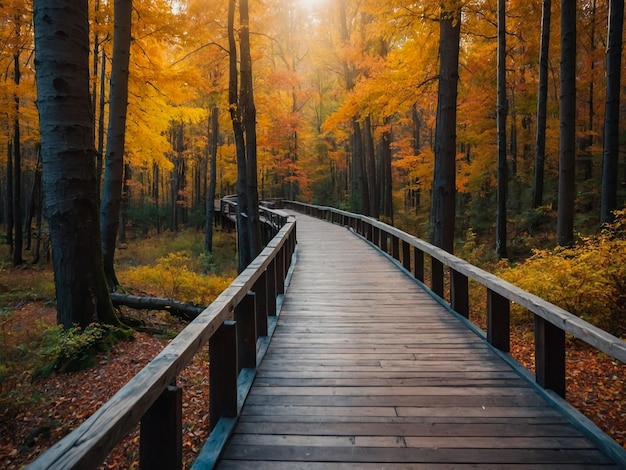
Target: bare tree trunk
210 197
9 201
116 134
567 148
501 124
385 156
370 160
100 151
542 105
17 172
444 180
249 122
243 233
610 154
359 169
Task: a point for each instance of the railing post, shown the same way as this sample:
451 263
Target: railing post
223 373
459 293
260 291
245 316
161 434
406 255
418 264
550 356
498 321
384 245
395 247
280 271
436 276
271 288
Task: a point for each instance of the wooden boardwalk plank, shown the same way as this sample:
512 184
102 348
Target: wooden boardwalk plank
367 371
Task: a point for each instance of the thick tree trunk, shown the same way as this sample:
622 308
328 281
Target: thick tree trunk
116 133
567 148
68 156
444 180
249 122
210 197
610 154
542 105
501 112
243 233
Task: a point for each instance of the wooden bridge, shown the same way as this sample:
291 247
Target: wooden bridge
367 368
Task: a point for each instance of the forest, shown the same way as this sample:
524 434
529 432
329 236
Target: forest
494 129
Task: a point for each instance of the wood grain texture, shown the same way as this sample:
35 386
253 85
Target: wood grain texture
366 370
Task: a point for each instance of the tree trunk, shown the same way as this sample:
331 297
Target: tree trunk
359 169
370 160
385 156
542 105
100 151
116 133
249 122
210 197
9 201
501 125
610 153
68 156
444 180
567 148
243 234
17 172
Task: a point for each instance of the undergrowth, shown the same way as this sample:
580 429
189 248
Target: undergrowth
587 279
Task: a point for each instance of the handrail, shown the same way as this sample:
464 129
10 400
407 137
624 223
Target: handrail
152 397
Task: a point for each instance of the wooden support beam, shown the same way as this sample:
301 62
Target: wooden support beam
459 293
498 321
245 316
406 255
223 373
260 290
436 277
550 356
161 432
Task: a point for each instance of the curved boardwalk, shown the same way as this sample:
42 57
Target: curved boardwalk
367 371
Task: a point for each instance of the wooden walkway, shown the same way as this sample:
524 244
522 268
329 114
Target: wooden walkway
367 371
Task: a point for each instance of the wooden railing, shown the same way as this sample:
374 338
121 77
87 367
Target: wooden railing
235 325
551 323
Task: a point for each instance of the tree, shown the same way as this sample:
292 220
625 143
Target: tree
210 197
567 113
246 101
68 156
542 105
444 179
501 112
610 153
116 133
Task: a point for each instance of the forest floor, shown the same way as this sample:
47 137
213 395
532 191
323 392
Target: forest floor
39 411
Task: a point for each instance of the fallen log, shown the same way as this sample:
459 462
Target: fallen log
178 309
